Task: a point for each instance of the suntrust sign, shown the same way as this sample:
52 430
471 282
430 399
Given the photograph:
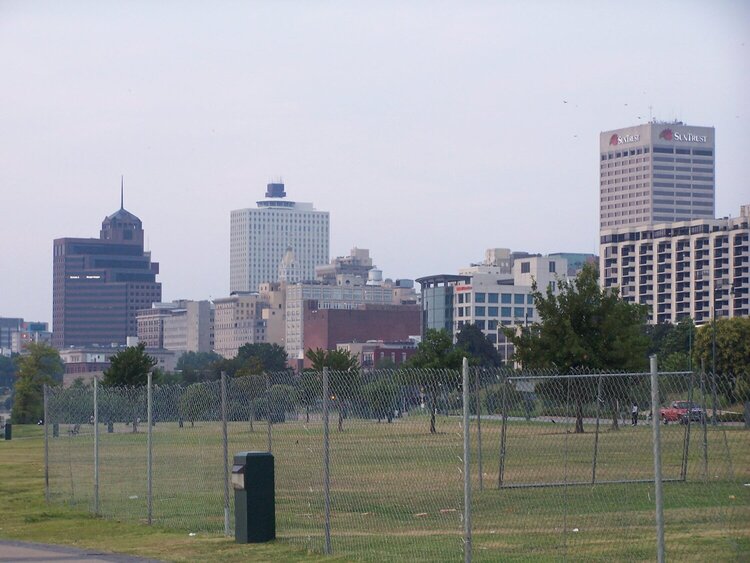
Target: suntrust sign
669 135
622 139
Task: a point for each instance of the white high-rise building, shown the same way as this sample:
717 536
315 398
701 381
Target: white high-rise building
655 173
261 236
697 269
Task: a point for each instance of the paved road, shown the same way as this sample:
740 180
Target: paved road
23 552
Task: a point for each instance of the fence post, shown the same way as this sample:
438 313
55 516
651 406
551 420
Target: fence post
596 434
149 457
225 450
659 492
686 439
268 402
46 443
479 430
96 446
467 463
501 469
326 468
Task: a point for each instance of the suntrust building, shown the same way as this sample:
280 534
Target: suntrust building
654 173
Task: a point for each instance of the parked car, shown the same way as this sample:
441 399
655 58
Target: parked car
682 412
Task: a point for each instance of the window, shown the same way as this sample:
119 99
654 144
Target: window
525 267
519 298
492 311
505 298
505 311
479 324
492 297
491 325
479 297
552 267
479 311
518 312
530 312
530 299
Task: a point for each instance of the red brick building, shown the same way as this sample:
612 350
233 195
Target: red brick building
326 328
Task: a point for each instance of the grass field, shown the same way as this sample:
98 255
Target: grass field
397 491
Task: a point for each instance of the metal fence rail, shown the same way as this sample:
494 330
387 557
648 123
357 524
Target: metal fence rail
430 465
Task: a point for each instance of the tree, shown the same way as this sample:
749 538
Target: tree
343 376
129 367
245 392
269 357
437 363
310 390
475 345
584 327
40 366
382 397
672 344
732 354
196 366
196 402
281 399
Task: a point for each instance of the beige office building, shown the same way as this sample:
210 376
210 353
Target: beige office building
238 320
655 173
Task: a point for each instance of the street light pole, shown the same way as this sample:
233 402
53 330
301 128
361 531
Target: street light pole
713 361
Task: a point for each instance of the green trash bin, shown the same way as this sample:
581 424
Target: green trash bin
254 497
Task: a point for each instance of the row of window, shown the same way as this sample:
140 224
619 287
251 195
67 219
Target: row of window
621 171
699 169
507 312
620 154
670 159
618 163
680 194
480 297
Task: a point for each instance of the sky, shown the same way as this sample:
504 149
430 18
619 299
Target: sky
429 130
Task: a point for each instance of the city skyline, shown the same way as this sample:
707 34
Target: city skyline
429 133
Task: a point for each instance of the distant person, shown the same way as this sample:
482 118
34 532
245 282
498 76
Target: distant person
634 414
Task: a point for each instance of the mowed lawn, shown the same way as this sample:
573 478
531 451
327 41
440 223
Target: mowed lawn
397 491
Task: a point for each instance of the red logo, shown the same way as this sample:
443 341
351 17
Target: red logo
667 135
613 140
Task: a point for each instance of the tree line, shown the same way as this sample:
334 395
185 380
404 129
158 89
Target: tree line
581 327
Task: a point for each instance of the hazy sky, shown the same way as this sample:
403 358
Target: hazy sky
430 130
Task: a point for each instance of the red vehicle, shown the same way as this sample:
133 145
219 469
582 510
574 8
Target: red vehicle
682 412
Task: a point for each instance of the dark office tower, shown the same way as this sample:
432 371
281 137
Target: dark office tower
99 284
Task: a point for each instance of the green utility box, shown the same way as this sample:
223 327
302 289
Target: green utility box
8 430
254 497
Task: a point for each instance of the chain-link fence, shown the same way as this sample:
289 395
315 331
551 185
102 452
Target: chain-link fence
388 464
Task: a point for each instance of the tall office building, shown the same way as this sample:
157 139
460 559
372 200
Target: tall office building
261 236
656 173
99 284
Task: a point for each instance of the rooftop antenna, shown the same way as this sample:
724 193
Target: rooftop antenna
122 190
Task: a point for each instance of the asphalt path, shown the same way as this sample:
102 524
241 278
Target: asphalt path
24 552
